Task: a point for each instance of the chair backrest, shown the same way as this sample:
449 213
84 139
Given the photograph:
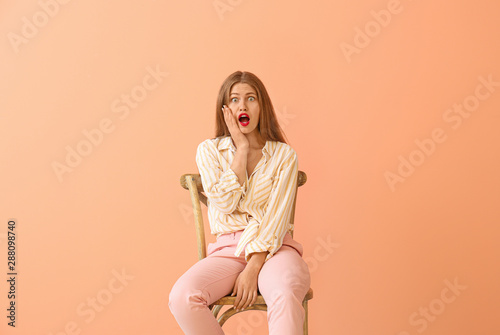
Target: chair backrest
192 183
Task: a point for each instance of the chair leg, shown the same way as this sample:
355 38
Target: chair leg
216 309
306 321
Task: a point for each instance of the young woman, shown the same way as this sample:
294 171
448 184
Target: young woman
249 175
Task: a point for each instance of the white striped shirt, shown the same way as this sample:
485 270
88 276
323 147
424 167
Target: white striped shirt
262 206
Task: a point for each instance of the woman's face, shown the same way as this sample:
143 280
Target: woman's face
245 107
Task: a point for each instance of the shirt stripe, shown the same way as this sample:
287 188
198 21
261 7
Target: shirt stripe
262 206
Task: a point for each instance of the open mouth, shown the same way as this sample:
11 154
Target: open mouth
244 119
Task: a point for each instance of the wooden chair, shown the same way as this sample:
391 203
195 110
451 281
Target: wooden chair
192 182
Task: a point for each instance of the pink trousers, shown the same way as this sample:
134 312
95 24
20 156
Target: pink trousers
283 282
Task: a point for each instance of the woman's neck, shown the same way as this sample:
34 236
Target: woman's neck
255 140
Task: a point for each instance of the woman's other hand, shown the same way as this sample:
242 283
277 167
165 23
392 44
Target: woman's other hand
245 288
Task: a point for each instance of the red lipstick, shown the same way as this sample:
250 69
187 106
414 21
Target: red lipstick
244 119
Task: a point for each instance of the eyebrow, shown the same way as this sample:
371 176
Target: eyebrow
251 93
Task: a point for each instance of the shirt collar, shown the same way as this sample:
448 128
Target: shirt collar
226 143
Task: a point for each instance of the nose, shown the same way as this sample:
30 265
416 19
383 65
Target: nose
242 106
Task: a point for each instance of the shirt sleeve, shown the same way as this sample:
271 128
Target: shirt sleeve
276 220
221 187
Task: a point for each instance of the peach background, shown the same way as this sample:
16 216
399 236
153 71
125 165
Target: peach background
122 209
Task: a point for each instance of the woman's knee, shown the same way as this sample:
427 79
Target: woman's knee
184 296
175 296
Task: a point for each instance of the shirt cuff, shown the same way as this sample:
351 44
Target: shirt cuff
248 234
260 246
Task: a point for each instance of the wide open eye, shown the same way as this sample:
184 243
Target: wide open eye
234 99
251 98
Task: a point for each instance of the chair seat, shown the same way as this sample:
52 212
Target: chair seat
229 300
